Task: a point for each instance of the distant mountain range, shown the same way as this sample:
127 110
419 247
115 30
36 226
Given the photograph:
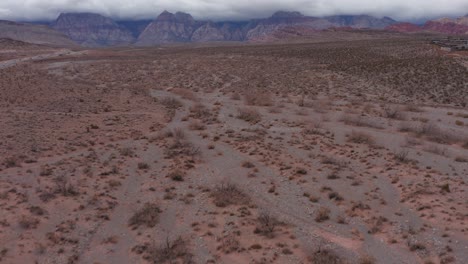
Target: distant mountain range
452 26
95 30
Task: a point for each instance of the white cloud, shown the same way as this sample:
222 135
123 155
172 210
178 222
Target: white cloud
231 9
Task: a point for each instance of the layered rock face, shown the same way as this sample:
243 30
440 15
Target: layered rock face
92 30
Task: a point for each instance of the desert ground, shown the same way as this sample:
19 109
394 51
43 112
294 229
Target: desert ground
340 151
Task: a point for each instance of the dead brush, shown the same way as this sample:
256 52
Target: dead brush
361 138
185 93
258 99
435 134
359 121
201 112
181 148
266 225
402 156
250 115
171 103
393 113
64 187
169 252
147 216
229 194
325 257
322 214
197 125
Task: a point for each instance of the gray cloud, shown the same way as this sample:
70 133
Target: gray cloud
231 9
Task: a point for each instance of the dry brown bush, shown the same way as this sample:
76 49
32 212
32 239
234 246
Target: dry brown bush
176 251
28 222
148 216
229 194
184 93
266 225
361 138
197 125
171 103
250 115
393 113
359 121
322 214
325 257
258 99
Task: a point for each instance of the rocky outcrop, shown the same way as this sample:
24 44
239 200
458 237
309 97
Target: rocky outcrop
89 29
32 33
169 28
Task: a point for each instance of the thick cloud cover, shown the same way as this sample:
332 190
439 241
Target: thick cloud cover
231 9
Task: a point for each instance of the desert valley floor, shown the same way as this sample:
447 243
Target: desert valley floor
339 151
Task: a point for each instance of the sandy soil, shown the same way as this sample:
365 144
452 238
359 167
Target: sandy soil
243 154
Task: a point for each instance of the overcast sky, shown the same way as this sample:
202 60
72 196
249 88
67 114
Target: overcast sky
411 10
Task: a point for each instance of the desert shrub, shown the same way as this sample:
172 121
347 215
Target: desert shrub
147 216
301 171
11 162
433 133
313 129
45 171
402 156
181 148
325 257
434 149
127 152
377 224
64 187
461 159
359 121
199 111
250 115
258 99
333 175
197 125
171 103
413 108
229 243
266 225
143 166
235 96
185 93
335 196
178 133
229 194
28 222
322 214
361 138
176 175
248 164
366 259
169 252
393 113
